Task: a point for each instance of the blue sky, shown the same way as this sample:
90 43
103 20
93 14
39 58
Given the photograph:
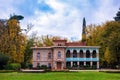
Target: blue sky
60 17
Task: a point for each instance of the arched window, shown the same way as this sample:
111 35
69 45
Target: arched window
81 54
68 54
59 54
38 56
49 55
74 53
87 54
94 54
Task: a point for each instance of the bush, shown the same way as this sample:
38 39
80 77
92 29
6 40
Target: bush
30 66
43 66
23 65
94 67
69 67
38 67
26 65
13 66
3 60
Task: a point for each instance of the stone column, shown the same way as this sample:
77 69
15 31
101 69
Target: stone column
84 63
78 64
97 55
71 64
85 58
97 65
84 54
71 54
55 65
78 54
91 55
91 63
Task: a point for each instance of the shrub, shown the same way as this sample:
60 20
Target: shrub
3 60
43 66
23 65
13 66
30 66
38 67
8 67
26 65
69 67
94 67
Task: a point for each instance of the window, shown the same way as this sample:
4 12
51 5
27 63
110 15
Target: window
38 56
59 54
49 65
59 45
49 56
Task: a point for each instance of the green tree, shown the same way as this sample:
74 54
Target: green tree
28 53
106 35
109 58
47 40
111 38
117 18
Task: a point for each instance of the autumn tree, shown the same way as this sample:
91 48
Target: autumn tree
106 35
109 57
12 41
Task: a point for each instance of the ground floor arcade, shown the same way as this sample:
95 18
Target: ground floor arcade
82 64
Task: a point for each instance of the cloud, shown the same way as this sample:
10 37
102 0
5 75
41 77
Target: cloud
65 21
106 11
60 17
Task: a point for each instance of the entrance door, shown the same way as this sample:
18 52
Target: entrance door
59 65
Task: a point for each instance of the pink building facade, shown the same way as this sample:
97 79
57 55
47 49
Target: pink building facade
63 55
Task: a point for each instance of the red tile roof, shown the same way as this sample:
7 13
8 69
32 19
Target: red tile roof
60 40
75 44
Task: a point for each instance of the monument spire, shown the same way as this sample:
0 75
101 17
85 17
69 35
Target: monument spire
83 30
84 26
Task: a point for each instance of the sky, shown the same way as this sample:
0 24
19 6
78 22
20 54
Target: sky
60 17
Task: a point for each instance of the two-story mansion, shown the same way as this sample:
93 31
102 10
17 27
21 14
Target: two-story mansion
65 54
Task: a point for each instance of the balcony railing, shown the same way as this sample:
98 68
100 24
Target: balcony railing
82 59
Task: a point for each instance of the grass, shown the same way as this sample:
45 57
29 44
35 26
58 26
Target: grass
60 76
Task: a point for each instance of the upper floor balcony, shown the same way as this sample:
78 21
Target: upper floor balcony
82 59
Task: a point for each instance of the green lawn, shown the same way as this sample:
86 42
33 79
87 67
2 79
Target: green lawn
60 76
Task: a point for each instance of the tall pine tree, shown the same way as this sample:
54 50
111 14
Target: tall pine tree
117 18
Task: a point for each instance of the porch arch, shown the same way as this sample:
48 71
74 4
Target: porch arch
87 54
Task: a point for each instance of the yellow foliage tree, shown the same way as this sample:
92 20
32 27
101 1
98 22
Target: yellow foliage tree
109 58
13 41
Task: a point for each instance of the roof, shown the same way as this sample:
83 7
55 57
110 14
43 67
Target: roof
65 47
41 47
83 46
76 44
60 40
